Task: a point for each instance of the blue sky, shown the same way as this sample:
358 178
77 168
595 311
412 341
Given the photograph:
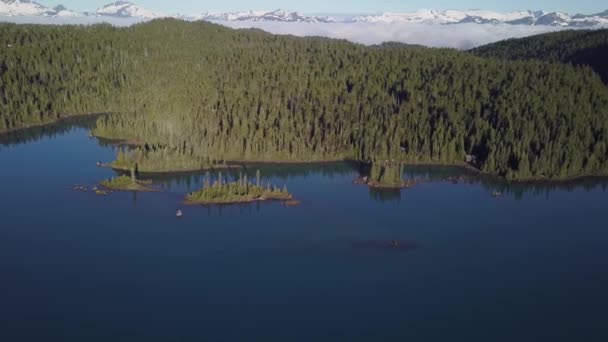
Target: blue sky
345 6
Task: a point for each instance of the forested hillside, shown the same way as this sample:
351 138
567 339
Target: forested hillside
197 94
579 47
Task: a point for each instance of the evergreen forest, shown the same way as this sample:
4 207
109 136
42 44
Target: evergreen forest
197 95
577 47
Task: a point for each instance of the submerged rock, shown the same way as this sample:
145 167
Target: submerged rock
396 245
291 203
361 180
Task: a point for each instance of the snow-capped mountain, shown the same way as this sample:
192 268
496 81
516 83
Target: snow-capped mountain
428 16
61 11
21 7
487 17
13 8
125 9
277 15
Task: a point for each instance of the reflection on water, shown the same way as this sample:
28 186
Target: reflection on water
348 171
279 174
402 255
33 134
458 175
537 188
385 195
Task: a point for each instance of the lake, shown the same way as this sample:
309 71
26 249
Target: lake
531 265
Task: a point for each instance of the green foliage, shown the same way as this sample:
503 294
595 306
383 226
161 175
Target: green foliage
200 95
48 71
386 173
237 191
578 47
157 159
124 183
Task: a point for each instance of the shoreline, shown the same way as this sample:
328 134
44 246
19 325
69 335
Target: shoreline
237 164
248 201
466 167
290 162
143 189
126 183
165 172
59 119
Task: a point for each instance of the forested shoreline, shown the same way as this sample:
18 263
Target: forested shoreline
198 94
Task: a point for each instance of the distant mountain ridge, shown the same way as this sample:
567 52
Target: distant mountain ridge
125 9
277 15
13 8
122 9
489 17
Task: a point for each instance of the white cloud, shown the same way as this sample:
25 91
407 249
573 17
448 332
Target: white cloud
460 36
79 20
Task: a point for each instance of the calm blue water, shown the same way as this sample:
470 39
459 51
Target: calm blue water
529 266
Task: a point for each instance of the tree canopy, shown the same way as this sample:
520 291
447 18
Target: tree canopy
577 47
199 94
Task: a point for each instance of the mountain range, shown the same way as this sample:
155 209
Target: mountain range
489 17
121 9
124 9
277 15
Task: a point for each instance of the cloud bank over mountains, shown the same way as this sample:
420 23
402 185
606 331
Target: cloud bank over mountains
452 28
465 36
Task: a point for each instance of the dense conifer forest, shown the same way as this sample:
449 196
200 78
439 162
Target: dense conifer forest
578 47
199 94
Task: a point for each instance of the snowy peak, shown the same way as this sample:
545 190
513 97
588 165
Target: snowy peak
277 15
61 11
13 8
21 7
125 9
488 17
444 17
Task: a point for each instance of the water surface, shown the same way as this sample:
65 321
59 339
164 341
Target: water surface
531 265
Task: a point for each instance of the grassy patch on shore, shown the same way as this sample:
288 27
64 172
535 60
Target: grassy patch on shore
125 183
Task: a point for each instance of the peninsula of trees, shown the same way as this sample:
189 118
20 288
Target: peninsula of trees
198 94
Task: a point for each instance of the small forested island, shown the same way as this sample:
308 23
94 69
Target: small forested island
386 175
126 183
197 95
237 191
